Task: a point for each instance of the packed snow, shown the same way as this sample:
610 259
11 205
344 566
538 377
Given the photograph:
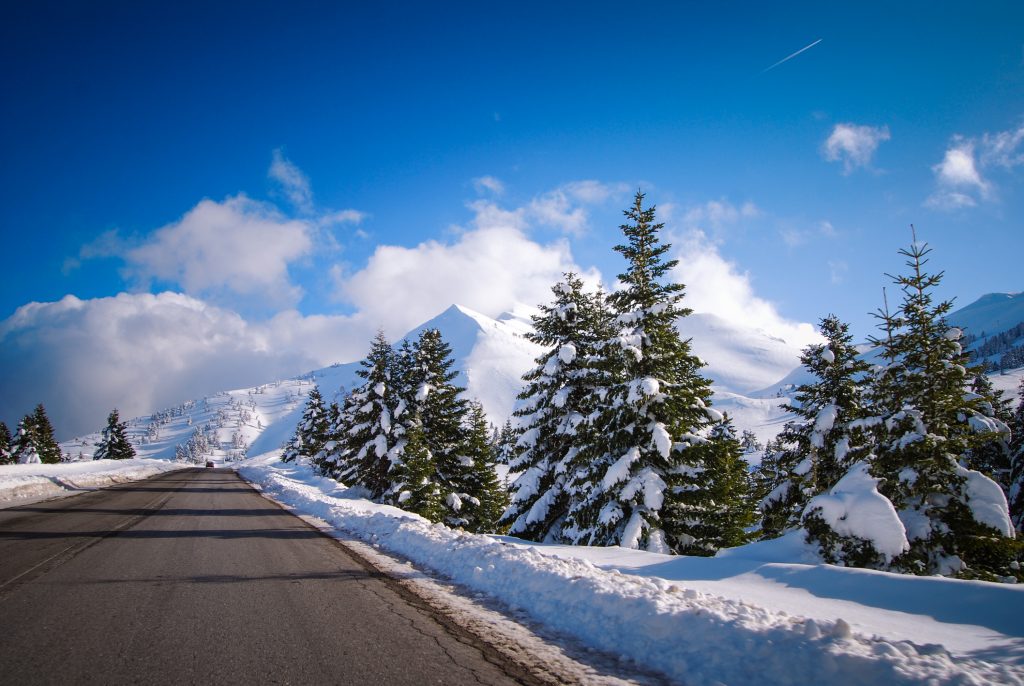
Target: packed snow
854 507
21 484
751 615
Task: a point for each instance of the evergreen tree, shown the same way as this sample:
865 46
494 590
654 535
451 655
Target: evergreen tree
311 432
726 497
505 443
557 398
953 516
441 409
1016 493
370 440
38 436
26 450
416 490
114 443
483 497
6 449
991 456
321 460
829 433
633 484
336 458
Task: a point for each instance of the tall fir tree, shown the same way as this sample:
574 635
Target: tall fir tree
311 432
336 458
37 424
416 489
558 396
322 461
726 498
439 405
114 443
829 433
635 479
1016 491
25 447
505 450
954 517
6 449
370 438
484 499
992 456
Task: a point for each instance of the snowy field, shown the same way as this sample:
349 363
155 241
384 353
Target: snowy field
752 615
21 484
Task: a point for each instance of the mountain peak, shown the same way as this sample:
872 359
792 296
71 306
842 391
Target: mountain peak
990 314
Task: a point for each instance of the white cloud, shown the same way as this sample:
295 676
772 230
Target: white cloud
238 248
958 167
294 182
717 214
484 184
1003 148
958 179
488 268
333 218
716 286
564 208
854 145
138 352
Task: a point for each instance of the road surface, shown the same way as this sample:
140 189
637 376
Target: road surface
193 577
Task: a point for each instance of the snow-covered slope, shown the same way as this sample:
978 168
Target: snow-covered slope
490 354
990 314
739 359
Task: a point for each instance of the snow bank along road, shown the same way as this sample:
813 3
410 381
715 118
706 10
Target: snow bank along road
193 577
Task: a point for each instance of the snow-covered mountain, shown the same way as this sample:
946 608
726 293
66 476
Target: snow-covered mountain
752 372
990 314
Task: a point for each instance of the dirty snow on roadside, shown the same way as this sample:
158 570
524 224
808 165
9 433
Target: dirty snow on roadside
760 614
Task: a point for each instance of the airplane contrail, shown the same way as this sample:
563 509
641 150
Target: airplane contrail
786 59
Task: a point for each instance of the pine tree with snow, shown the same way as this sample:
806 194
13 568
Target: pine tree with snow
439 405
25 448
637 474
114 443
992 456
321 460
38 426
311 432
558 397
1016 492
416 489
955 519
6 453
505 443
370 436
336 457
484 499
829 433
725 501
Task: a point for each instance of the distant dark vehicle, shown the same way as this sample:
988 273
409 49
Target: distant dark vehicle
209 463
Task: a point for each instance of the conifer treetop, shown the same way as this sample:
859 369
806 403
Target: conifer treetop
643 253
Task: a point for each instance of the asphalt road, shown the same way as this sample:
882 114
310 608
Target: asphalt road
193 578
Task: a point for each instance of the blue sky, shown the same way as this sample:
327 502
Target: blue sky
311 172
